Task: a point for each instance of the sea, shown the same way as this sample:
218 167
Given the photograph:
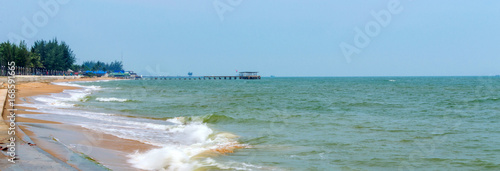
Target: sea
320 123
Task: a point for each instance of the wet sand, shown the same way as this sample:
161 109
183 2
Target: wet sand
64 141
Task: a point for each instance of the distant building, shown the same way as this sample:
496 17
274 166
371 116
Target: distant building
249 75
124 74
133 75
119 75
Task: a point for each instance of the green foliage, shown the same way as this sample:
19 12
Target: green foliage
76 68
19 54
7 52
96 66
35 61
22 55
116 65
50 55
54 55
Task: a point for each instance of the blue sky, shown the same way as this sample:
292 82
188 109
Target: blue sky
280 37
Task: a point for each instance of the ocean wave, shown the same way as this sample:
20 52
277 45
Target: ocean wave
190 140
111 99
484 100
210 118
185 143
92 87
216 118
213 118
64 99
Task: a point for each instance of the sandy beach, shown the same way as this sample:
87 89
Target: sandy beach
92 150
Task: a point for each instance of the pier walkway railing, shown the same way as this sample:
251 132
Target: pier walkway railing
195 78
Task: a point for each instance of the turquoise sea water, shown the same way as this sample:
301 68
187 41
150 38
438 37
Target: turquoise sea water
361 123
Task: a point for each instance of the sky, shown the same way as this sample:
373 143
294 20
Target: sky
279 37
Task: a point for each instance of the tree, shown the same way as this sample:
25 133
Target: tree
7 52
22 55
35 61
76 68
95 66
68 57
54 55
19 54
86 66
50 55
115 66
99 65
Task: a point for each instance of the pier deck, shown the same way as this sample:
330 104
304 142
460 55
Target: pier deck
242 76
197 78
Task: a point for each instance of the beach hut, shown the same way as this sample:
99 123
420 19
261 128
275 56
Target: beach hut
120 74
249 75
69 72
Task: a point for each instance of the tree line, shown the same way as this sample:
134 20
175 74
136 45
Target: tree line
49 55
99 66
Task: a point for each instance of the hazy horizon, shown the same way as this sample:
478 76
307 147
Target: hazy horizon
280 38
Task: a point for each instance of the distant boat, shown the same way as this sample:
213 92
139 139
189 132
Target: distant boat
272 76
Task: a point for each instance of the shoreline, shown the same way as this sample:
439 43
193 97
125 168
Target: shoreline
52 137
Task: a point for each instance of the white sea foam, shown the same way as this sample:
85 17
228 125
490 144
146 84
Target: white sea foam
166 158
188 140
64 99
177 120
111 99
180 140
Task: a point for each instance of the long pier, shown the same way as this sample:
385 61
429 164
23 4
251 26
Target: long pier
198 78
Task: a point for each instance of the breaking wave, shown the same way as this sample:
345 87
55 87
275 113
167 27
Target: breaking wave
184 143
112 99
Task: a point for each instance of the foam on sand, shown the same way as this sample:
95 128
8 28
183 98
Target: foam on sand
64 99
